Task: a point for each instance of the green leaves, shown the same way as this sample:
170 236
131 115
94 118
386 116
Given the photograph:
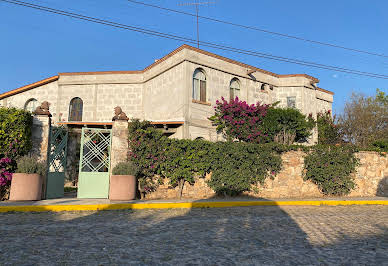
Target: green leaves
234 166
15 131
330 168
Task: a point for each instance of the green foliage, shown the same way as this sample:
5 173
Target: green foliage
234 166
125 168
365 119
330 168
15 131
237 166
382 144
328 131
30 165
287 125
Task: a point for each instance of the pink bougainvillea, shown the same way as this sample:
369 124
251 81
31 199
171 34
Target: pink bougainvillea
238 120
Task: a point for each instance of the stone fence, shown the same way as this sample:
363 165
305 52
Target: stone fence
371 178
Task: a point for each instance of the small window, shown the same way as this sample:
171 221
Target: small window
31 105
75 109
234 89
199 85
291 102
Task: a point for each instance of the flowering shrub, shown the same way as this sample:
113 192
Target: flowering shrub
7 167
238 120
328 131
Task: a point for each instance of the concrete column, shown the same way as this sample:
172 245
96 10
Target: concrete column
119 148
40 136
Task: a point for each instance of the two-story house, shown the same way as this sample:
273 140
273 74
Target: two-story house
177 92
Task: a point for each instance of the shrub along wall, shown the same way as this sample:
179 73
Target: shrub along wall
172 168
15 141
371 179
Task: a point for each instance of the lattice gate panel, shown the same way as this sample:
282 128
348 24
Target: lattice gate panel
56 162
94 163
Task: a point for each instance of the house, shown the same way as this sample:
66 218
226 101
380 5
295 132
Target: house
176 92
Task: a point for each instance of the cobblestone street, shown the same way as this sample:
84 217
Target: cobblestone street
342 235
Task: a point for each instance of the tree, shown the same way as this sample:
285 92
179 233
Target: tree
328 131
287 125
365 119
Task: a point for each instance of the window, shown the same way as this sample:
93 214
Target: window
234 89
75 109
291 102
199 85
31 105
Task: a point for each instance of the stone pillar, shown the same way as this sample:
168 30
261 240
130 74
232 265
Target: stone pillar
40 136
120 148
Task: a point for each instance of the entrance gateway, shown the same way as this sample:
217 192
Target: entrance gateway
94 167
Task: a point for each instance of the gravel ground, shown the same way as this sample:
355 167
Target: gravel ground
268 235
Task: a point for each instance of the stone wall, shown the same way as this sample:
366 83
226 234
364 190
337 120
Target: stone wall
371 179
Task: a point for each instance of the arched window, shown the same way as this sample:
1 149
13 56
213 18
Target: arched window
234 89
75 109
199 85
31 105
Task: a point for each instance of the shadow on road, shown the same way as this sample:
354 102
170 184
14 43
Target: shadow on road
266 235
382 189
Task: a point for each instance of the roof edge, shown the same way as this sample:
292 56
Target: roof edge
323 90
164 58
29 87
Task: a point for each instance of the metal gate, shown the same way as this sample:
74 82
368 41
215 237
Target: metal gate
94 167
56 162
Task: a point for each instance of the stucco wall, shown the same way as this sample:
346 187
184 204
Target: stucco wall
163 92
371 179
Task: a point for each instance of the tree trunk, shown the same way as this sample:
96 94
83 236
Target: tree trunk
181 183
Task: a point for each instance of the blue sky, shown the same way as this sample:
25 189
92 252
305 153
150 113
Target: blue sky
35 45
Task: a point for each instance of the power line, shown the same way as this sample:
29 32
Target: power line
192 41
260 29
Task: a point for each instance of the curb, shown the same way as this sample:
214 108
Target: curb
185 205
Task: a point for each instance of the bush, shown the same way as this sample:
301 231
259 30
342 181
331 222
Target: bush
328 131
238 120
125 168
237 166
381 144
234 166
30 165
287 125
7 167
330 168
15 131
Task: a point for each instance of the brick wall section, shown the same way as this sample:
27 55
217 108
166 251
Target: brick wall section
371 179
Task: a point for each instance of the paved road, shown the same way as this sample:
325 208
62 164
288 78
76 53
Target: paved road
342 235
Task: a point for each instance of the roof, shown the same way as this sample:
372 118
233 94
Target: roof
184 46
29 87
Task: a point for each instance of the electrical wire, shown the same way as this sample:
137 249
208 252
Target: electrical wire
259 29
192 41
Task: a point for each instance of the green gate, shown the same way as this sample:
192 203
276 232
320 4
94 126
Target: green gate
94 167
56 162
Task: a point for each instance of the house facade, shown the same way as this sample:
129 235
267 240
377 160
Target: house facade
176 92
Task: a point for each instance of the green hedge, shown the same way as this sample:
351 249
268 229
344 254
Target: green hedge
15 131
331 168
235 166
